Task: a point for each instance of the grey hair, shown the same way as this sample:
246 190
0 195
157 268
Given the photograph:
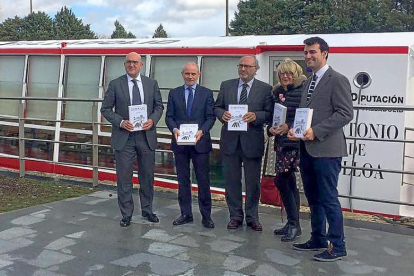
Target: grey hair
192 63
256 62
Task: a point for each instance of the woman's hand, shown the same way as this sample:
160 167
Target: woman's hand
282 129
273 130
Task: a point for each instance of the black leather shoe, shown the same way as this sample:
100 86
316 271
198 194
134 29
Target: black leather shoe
310 245
255 225
125 222
183 219
234 224
281 231
292 233
151 218
208 223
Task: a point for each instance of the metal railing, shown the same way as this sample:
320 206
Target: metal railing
95 144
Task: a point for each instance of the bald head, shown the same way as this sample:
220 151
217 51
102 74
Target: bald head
133 64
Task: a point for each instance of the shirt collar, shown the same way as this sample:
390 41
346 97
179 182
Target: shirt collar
322 71
192 86
250 83
131 78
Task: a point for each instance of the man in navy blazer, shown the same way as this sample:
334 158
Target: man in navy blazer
323 145
192 104
133 89
244 147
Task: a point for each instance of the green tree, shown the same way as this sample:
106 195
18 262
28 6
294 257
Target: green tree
322 16
160 32
10 29
68 26
120 31
37 26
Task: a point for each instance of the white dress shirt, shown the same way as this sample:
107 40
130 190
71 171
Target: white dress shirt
131 85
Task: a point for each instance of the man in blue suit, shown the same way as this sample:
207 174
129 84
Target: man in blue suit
192 104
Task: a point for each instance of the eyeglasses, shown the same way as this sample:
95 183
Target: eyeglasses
135 62
287 74
241 66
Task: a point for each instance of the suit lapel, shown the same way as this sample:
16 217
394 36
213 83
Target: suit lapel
305 93
325 78
196 99
125 89
145 86
251 92
181 99
233 92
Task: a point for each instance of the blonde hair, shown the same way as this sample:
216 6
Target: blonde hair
288 65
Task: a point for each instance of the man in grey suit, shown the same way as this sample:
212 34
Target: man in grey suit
244 148
328 93
133 89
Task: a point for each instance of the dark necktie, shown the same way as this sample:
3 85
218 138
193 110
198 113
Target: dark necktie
136 97
243 94
189 100
311 87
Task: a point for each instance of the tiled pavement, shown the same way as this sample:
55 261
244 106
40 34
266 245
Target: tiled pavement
82 236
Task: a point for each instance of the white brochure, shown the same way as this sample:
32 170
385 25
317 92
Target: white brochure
236 122
187 134
303 120
138 115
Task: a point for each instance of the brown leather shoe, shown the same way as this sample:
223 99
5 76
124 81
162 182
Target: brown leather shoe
255 225
234 224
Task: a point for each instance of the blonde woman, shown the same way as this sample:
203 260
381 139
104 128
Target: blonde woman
288 92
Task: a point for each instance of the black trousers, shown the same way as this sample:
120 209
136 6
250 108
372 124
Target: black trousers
201 162
286 183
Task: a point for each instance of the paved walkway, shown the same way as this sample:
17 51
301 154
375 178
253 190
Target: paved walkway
82 236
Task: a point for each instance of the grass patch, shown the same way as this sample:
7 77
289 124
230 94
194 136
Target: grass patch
17 193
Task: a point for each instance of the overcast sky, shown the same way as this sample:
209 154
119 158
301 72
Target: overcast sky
180 18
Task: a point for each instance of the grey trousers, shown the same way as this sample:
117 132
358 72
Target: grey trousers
136 147
233 175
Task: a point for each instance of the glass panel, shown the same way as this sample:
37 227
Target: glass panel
167 71
75 154
81 81
114 67
106 156
164 163
11 83
39 149
9 146
43 81
214 70
216 169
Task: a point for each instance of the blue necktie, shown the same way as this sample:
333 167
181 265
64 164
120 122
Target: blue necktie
136 96
189 101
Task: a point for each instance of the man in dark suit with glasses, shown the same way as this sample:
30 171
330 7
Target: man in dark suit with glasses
244 148
133 89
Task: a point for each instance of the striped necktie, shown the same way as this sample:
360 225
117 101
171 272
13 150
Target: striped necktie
311 87
243 94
